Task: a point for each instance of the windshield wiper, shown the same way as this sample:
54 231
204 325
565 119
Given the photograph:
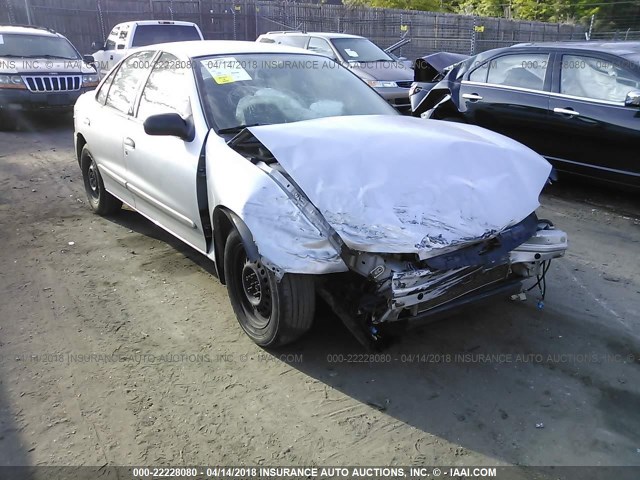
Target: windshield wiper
238 128
45 56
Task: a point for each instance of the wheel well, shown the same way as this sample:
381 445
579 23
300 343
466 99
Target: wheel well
80 143
224 221
222 226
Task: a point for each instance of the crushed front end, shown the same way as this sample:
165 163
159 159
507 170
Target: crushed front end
381 289
405 246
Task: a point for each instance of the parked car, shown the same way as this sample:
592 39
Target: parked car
388 75
293 183
40 70
577 104
126 36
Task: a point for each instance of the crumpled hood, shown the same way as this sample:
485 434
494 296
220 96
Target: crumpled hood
394 184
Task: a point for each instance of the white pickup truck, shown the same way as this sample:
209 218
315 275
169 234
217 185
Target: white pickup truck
126 36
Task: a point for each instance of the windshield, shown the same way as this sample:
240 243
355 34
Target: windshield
265 89
152 34
360 50
36 46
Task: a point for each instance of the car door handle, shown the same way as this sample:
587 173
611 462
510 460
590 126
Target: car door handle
474 97
128 142
566 111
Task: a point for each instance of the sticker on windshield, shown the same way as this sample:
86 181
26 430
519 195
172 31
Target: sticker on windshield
1 40
351 53
226 70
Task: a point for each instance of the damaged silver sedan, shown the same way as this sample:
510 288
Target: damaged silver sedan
298 179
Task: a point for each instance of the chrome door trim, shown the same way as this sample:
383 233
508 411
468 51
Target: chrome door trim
543 92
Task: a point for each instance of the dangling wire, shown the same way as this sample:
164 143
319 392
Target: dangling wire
541 283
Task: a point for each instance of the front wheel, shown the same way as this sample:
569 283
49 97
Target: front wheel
271 313
100 201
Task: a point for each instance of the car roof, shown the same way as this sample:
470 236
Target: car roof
616 48
154 22
315 34
202 48
28 30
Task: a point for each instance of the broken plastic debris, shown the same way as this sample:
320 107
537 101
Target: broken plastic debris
520 296
540 425
71 244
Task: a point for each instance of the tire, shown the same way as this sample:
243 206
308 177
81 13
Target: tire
100 201
271 313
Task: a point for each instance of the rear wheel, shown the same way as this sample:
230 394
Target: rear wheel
100 201
271 313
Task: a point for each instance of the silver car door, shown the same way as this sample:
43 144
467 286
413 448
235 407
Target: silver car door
108 123
163 170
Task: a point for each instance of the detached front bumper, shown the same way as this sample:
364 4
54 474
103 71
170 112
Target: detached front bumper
414 293
15 101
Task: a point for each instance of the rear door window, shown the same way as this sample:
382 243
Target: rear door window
104 89
597 79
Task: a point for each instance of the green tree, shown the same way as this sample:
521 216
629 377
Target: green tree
426 5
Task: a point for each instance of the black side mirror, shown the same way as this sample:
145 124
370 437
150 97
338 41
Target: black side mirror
89 59
169 124
633 99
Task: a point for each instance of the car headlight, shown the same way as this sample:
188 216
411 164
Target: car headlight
381 84
12 81
91 80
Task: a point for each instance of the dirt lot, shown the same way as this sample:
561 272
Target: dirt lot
505 383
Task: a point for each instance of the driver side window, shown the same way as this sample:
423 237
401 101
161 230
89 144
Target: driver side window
127 79
165 91
597 79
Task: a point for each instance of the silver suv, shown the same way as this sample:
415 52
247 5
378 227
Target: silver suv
39 70
388 76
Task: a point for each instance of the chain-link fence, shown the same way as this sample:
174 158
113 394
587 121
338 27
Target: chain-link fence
88 21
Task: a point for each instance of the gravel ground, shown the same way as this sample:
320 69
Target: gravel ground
505 383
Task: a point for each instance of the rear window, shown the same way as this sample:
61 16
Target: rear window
152 34
299 41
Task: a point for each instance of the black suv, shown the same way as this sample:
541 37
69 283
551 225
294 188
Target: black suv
577 104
